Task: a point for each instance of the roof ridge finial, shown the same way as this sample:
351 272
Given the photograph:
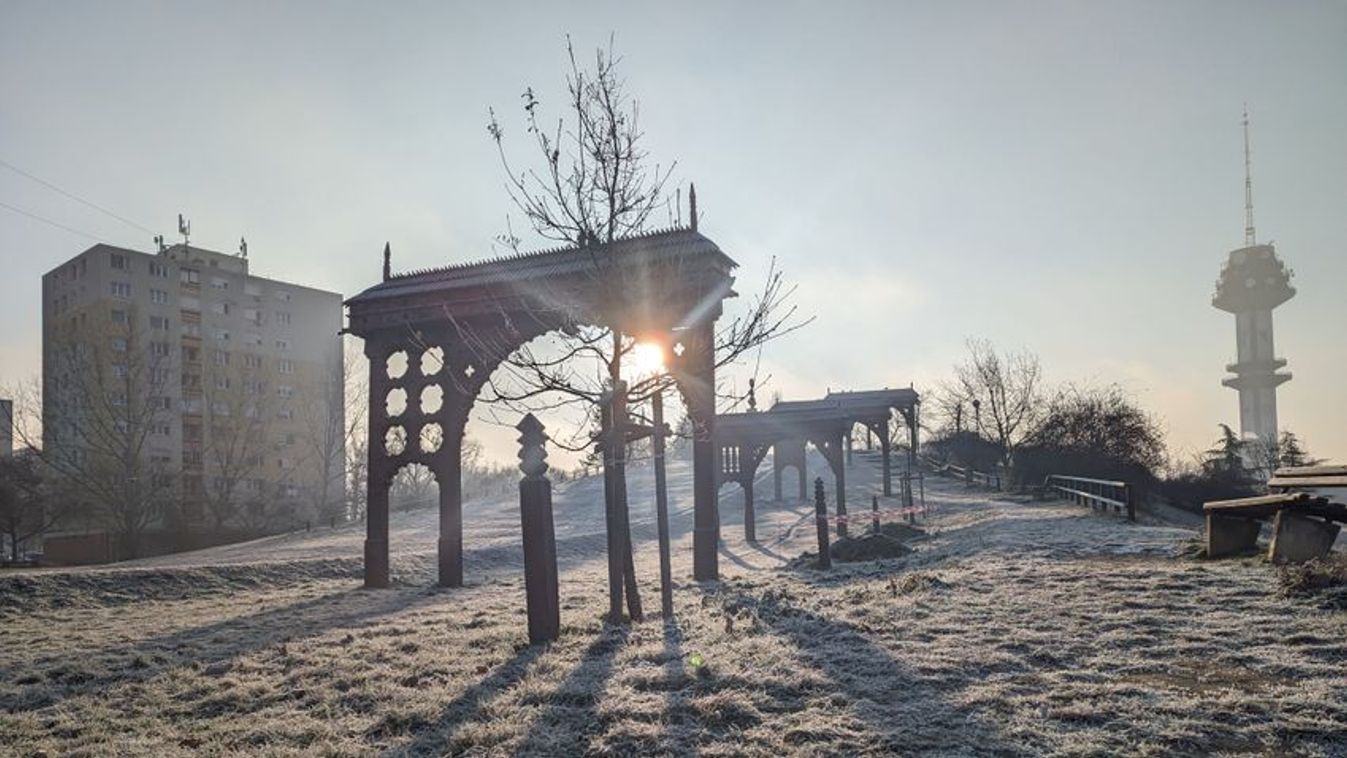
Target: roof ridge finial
1250 238
388 261
692 205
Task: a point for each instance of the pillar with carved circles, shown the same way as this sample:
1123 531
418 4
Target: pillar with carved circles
379 471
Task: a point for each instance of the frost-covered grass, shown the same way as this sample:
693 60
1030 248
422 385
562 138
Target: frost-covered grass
1015 628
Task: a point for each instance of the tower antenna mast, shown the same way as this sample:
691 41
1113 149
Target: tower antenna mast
1250 238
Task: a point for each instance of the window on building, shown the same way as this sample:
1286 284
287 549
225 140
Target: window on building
119 344
285 367
283 296
219 283
121 289
283 318
220 357
253 316
158 297
158 270
119 262
285 391
119 370
191 354
118 316
220 308
159 349
221 382
159 376
222 335
189 276
282 345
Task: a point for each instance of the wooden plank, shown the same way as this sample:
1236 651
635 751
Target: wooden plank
1092 496
1249 502
1316 480
1311 471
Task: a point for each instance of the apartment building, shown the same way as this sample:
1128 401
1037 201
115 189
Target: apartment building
225 387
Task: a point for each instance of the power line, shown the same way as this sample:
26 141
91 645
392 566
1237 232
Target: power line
72 196
56 224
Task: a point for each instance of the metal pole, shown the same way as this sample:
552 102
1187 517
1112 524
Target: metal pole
662 507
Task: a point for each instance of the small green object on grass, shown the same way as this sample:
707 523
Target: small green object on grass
696 660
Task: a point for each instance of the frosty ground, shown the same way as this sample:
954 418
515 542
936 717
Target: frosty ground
1014 628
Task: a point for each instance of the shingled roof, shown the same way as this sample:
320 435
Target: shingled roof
656 246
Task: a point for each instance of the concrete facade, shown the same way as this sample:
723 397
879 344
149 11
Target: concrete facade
1253 282
221 354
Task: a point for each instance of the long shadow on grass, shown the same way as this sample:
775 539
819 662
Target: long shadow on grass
211 646
904 714
571 713
675 700
434 739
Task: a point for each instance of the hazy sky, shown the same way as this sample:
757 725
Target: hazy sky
1065 177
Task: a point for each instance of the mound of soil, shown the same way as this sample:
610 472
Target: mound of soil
1322 579
868 548
900 532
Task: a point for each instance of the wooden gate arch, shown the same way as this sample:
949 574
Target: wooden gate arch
455 325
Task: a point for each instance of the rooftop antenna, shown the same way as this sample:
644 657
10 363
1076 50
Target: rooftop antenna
184 228
1249 237
243 248
388 261
159 242
692 205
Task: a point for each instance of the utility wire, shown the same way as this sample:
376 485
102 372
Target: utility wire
72 196
56 224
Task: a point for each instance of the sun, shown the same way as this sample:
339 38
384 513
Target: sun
646 358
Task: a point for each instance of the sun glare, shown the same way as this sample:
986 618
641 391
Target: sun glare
647 358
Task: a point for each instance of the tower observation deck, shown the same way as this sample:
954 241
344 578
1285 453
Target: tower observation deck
1252 283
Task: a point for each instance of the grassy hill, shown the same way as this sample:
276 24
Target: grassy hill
1014 628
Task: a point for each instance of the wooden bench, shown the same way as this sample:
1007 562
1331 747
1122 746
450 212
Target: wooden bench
1304 518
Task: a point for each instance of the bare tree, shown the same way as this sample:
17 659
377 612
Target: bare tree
106 411
26 508
236 413
594 183
1003 391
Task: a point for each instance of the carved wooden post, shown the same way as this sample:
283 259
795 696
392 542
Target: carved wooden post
825 559
662 505
540 546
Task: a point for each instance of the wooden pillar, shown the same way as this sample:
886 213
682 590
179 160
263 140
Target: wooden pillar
662 505
379 473
750 527
449 474
701 401
616 553
540 545
886 449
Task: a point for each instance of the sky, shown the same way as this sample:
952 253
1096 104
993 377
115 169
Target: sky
1062 177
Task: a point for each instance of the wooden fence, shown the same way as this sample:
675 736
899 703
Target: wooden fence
1096 493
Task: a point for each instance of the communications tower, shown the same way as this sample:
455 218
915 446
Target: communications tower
1253 282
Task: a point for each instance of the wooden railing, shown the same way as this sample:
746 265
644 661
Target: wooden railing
1096 493
966 473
